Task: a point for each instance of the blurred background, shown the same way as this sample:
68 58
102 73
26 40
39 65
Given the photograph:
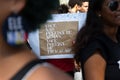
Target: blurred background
64 1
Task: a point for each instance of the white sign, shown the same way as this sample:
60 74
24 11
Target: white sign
54 39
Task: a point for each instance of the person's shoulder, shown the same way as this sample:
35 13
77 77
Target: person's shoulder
95 45
49 72
97 41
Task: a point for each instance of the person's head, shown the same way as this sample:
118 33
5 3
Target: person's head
84 5
101 13
63 8
74 4
34 12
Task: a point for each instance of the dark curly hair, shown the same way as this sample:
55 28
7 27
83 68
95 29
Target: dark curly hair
93 25
63 9
37 12
72 3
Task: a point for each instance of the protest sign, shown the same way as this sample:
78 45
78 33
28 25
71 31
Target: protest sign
54 38
57 38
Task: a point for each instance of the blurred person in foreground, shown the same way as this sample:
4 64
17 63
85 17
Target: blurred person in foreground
98 41
17 19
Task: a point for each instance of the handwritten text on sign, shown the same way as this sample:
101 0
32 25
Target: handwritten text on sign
57 37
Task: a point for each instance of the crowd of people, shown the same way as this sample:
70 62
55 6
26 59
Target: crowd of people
96 47
74 6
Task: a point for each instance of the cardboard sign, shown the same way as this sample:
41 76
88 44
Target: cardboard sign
56 38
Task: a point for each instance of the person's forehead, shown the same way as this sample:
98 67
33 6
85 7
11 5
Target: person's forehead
85 2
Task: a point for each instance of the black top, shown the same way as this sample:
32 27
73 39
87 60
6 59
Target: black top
110 51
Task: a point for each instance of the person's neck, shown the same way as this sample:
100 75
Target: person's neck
111 32
73 10
13 63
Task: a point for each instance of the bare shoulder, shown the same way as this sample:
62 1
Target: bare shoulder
49 72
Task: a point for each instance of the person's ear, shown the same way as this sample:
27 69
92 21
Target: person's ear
78 7
18 5
75 6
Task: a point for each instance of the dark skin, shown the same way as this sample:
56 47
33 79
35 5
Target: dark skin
95 67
